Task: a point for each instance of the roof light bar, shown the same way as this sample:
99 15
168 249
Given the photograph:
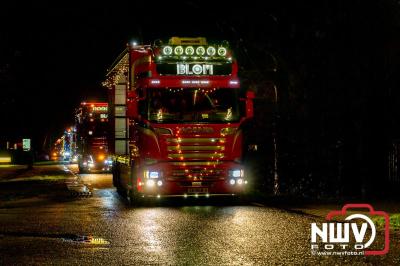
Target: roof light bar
178 50
221 51
200 50
189 50
167 50
211 51
194 51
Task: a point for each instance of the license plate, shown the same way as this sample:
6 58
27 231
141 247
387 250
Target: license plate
198 190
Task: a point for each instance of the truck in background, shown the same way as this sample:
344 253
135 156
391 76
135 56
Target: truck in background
64 148
91 137
68 144
177 112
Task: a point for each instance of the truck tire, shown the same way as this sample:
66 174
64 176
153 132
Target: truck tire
120 190
81 169
133 199
130 197
115 177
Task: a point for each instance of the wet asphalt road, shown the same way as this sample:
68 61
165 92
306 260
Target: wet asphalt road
172 233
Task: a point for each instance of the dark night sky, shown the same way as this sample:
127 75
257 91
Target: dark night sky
54 55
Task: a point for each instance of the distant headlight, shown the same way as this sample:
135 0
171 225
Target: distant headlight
91 165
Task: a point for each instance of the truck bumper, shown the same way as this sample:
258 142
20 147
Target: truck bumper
193 180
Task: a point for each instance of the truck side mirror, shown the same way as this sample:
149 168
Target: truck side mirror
250 95
132 105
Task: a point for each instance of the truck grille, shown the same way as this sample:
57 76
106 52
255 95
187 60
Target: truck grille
197 174
195 148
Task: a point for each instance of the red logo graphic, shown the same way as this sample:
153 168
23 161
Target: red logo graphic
371 212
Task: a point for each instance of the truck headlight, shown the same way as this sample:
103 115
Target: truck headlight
237 173
150 183
152 174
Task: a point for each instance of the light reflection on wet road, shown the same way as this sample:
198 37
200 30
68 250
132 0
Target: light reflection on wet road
202 233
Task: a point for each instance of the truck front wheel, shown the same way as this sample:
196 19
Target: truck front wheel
133 198
116 180
81 169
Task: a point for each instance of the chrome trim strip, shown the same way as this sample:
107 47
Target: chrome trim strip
199 195
196 140
196 155
196 148
196 163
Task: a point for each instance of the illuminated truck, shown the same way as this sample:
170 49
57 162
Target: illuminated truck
91 137
177 111
68 143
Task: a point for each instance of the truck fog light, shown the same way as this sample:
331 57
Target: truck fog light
150 183
159 183
240 181
232 182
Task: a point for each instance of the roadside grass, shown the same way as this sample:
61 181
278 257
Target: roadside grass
48 178
11 166
393 218
50 162
31 187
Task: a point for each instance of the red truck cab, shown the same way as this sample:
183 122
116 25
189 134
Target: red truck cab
183 110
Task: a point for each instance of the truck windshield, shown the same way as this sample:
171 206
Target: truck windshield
93 125
97 128
183 105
